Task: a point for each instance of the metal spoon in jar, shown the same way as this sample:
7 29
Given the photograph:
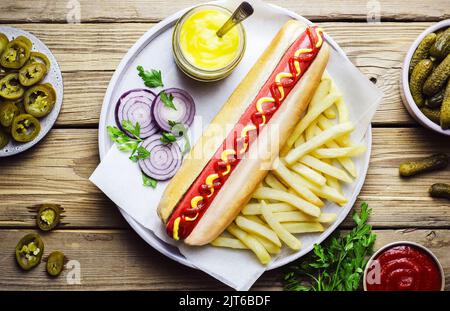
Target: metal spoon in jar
243 11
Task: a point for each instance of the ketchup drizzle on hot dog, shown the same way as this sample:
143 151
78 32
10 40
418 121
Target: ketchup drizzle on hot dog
202 192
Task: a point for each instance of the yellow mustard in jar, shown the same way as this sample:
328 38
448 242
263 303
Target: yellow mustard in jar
200 44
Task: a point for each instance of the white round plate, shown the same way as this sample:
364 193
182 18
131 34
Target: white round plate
162 31
53 77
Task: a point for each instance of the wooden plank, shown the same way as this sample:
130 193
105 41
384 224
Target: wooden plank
120 260
377 50
143 11
56 171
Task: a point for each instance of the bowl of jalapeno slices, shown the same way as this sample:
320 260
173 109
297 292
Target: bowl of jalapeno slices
31 90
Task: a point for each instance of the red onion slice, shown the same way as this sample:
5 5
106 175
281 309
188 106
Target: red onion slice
164 160
184 103
136 106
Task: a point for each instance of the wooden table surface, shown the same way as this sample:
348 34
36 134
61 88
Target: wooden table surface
111 254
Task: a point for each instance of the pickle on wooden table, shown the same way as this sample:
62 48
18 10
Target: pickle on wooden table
435 162
440 190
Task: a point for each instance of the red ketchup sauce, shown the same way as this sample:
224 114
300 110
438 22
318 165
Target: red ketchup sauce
405 268
202 192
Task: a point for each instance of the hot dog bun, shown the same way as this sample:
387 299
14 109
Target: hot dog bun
248 173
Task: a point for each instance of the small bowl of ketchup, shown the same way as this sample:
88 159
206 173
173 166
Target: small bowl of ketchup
403 266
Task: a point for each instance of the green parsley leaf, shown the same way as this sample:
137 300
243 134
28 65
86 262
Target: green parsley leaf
338 263
167 99
134 130
148 181
168 138
152 78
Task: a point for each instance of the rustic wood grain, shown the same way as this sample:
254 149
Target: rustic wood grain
143 11
118 259
56 171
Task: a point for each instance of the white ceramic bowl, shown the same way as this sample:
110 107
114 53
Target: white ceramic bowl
387 246
408 101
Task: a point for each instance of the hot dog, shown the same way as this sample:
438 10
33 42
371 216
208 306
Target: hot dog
224 167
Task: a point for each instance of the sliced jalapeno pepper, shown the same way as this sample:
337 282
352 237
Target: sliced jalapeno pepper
55 263
21 106
4 139
39 100
29 251
8 111
26 41
25 128
15 55
48 216
3 42
10 87
38 57
32 73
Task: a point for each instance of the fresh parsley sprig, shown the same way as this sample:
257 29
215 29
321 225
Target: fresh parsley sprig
167 100
148 181
152 78
337 264
126 143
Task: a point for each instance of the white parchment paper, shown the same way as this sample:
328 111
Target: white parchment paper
120 179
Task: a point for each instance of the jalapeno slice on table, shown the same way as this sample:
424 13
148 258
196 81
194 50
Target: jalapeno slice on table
8 111
39 100
10 87
29 251
55 263
4 139
38 57
32 73
3 42
15 55
48 216
25 128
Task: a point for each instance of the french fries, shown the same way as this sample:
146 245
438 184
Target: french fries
339 152
309 174
251 243
325 168
312 166
303 227
284 235
289 178
255 208
296 216
265 193
228 242
317 141
258 229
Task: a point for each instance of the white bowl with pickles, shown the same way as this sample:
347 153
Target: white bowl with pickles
425 78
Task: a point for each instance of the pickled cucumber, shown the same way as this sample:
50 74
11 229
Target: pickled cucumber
418 77
422 51
445 108
435 101
440 191
435 162
441 47
438 77
432 114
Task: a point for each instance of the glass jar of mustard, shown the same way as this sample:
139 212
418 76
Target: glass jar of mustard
199 52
